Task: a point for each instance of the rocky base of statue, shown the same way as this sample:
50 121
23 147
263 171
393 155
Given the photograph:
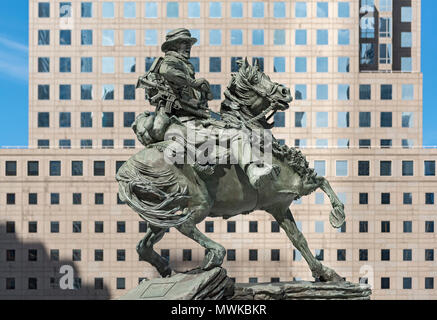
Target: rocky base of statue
301 290
216 285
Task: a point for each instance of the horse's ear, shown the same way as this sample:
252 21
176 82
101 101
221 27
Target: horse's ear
246 63
255 63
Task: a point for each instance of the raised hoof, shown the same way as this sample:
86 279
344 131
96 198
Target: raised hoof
337 216
327 275
213 258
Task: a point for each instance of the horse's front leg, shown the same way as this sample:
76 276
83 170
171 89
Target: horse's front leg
337 216
319 271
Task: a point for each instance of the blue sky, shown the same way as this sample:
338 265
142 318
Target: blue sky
14 78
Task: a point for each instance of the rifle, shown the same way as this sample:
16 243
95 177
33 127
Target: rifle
165 93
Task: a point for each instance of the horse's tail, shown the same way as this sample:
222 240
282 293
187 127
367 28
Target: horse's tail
155 195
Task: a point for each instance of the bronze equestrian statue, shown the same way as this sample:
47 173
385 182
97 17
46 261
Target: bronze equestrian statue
181 195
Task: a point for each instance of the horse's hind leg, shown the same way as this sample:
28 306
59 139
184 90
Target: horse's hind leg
215 252
146 252
319 271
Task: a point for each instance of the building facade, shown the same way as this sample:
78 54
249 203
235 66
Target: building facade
354 68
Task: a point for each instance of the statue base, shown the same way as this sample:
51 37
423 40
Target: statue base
216 285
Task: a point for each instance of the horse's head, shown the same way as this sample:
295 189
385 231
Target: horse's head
255 96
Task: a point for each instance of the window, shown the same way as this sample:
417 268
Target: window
98 198
300 64
98 255
33 225
343 10
215 64
319 225
172 10
408 198
65 37
118 165
86 10
107 37
279 9
274 226
408 226
121 226
129 9
86 64
55 168
341 168
121 255
149 61
385 283
257 9
407 168
258 37
77 198
363 254
385 254
260 62
343 37
322 9
319 254
406 14
43 65
341 254
406 40
77 226
32 168
65 10
386 143
33 198
429 168
253 255
216 91
407 92
385 53
364 198
429 226
108 65
236 37
10 198
11 168
363 168
386 119
429 198
230 254
406 64
142 227
367 54
193 9
385 198
386 92
151 38
44 10
279 64
129 37
385 168
279 37
320 167
64 94
10 227
121 283
98 283
215 9
99 168
128 119
209 226
407 119
406 283
43 37
407 254
64 119
253 226
429 283
86 92
385 27
54 198
343 64
300 10
32 255
429 254
300 92
301 37
186 255
322 64
275 255
321 119
322 92
300 120
363 226
322 37
76 168
10 255
385 226
151 9
343 91
77 255
43 92
108 10
129 64
236 9
64 144
107 119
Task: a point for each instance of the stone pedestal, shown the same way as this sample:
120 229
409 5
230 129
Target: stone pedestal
215 285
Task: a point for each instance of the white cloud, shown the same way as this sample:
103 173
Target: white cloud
13 45
13 59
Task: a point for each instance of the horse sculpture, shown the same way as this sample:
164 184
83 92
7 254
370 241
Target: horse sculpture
182 195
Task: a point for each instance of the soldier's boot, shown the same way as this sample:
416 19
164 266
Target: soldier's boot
259 172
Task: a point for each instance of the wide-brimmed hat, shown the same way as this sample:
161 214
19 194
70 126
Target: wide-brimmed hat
175 36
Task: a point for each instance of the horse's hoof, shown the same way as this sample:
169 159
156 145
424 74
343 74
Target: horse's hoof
327 275
337 217
213 258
